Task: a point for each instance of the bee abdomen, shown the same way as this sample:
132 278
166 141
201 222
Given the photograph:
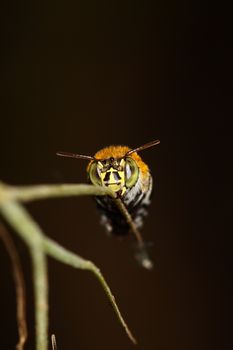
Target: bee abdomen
113 220
115 223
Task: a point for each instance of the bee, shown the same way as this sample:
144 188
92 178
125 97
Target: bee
121 169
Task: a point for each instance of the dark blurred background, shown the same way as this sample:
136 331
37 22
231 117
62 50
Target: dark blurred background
77 76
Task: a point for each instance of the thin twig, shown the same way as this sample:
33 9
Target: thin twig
129 220
59 253
32 193
19 286
113 302
141 253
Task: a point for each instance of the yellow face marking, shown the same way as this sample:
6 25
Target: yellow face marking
112 176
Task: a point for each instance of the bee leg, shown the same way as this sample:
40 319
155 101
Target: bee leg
104 221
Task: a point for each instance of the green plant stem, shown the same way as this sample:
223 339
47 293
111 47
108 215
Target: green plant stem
31 193
32 235
39 245
40 273
58 252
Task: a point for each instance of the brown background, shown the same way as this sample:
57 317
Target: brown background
78 76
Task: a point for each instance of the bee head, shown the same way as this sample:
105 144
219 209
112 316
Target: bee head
115 173
116 167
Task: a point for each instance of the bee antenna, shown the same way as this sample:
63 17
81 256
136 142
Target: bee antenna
147 145
74 155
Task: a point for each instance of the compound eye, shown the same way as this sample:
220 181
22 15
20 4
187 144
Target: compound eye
94 174
131 172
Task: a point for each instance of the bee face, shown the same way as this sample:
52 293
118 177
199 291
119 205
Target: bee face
115 173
